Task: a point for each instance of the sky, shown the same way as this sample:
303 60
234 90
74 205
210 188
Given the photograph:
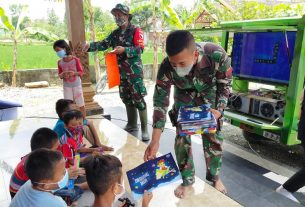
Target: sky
38 8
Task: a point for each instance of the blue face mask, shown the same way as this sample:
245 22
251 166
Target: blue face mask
61 184
61 53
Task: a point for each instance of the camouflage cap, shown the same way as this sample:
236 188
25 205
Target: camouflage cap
120 7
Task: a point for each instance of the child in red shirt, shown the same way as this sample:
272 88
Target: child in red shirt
42 138
71 142
70 70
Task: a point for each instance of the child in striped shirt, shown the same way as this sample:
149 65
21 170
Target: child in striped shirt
70 70
42 138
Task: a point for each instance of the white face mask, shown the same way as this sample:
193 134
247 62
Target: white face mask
183 71
117 196
120 21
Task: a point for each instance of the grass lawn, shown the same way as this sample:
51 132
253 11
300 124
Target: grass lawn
43 56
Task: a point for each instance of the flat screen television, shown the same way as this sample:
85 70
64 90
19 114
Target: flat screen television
263 56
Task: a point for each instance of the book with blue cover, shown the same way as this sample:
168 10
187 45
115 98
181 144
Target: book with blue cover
153 174
196 120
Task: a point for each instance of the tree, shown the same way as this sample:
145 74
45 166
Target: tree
53 19
98 25
162 9
15 12
16 33
142 18
246 10
103 21
89 8
55 25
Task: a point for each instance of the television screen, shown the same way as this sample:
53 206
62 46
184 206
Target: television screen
263 55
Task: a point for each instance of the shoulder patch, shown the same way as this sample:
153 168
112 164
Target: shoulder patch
138 38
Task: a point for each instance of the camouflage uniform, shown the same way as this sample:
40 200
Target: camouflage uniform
209 82
132 88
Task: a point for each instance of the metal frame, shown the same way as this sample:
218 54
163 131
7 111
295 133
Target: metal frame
288 130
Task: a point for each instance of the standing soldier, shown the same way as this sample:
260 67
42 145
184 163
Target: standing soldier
201 74
127 42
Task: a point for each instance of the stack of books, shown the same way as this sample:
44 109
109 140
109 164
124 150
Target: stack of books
196 120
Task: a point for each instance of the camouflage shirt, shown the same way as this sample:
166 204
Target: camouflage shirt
130 63
209 82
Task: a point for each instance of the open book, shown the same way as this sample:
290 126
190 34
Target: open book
153 174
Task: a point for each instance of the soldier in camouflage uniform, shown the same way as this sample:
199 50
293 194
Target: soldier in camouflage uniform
200 74
127 42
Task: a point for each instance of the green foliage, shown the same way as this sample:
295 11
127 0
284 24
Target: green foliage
103 21
53 26
17 10
164 12
142 18
189 16
169 15
19 26
6 24
43 56
246 10
29 56
53 19
40 34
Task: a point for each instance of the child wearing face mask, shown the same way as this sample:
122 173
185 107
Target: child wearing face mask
90 132
42 138
104 177
71 142
47 173
70 71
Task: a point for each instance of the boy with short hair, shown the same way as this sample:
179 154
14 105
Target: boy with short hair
104 177
201 74
90 132
47 173
42 138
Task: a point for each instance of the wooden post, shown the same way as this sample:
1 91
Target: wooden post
76 35
155 42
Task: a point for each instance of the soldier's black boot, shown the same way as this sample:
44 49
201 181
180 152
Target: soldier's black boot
132 118
144 130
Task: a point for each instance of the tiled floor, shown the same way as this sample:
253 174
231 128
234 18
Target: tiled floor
244 180
15 136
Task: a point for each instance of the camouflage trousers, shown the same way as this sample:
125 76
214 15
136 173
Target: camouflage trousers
132 92
212 146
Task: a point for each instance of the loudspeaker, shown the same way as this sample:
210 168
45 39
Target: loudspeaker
239 102
267 108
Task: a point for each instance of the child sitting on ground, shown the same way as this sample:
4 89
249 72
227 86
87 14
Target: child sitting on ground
47 173
41 138
72 141
90 132
104 177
